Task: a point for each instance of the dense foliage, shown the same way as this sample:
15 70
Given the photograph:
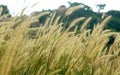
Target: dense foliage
87 11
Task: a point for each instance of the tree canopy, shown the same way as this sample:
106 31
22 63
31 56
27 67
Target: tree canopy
5 10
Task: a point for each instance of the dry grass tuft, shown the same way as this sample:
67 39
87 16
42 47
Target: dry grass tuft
72 9
55 51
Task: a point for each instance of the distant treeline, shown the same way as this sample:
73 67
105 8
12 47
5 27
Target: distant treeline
85 11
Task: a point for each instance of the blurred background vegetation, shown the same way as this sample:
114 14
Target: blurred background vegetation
85 11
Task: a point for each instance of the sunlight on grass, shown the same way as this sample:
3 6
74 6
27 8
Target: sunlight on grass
56 51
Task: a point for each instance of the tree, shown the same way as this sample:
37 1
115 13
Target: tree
73 4
61 10
114 13
5 10
85 7
100 7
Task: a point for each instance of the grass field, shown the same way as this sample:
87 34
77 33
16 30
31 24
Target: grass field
55 51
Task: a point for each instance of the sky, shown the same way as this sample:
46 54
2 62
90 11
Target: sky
16 6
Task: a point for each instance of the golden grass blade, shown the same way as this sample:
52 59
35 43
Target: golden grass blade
105 21
23 10
52 18
1 9
55 72
41 14
11 50
73 23
34 4
102 58
85 23
71 10
57 20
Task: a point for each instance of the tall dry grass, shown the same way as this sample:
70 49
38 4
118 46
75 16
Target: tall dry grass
55 51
